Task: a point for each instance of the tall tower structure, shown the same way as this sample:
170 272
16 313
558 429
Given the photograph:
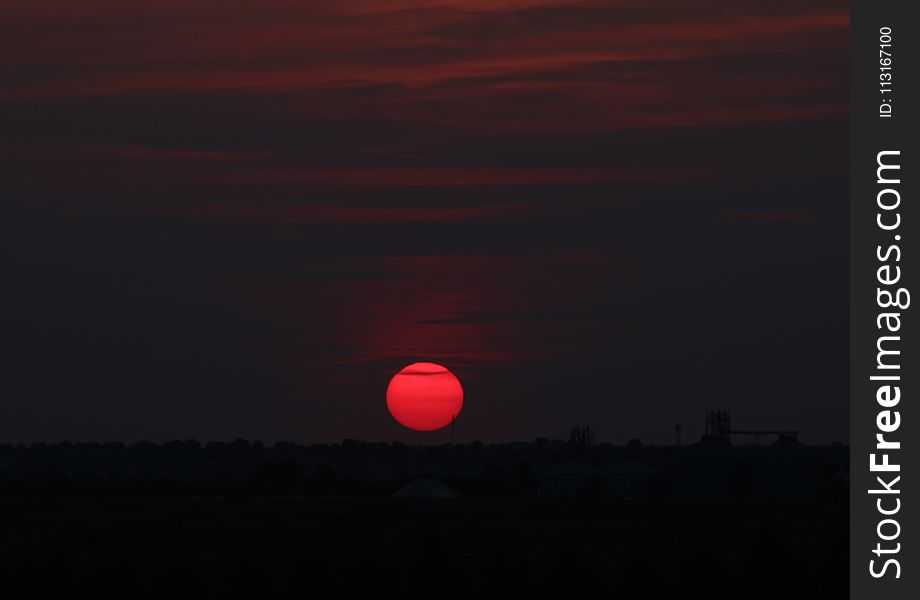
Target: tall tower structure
718 425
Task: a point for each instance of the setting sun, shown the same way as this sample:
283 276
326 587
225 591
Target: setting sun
424 396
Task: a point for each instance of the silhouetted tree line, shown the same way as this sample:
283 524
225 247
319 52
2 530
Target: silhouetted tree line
355 468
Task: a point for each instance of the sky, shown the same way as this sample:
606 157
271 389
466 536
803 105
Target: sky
240 219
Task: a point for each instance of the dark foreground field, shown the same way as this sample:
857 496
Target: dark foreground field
462 548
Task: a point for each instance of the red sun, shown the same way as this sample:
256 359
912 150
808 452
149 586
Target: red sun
424 396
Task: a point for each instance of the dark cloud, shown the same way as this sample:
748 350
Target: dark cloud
240 219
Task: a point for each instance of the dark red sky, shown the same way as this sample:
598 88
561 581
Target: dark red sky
239 219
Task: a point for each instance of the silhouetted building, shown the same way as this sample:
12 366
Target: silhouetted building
582 436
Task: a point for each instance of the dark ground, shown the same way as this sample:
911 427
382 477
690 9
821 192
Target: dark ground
380 547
